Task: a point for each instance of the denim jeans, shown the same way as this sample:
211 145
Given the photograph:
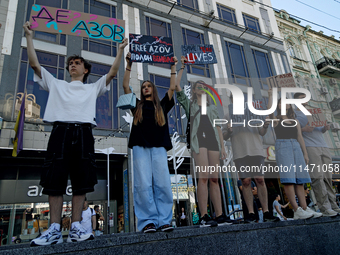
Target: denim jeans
289 156
152 186
98 233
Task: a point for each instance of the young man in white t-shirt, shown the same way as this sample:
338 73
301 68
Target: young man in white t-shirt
71 107
88 218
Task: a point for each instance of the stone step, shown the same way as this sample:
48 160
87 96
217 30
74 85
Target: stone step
313 236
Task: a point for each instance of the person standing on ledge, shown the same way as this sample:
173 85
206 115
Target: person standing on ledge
150 141
71 108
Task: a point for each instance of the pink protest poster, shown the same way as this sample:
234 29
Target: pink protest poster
61 21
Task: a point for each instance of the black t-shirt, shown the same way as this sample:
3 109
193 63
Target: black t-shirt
149 133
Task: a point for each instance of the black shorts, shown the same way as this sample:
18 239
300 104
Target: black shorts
70 151
249 166
209 143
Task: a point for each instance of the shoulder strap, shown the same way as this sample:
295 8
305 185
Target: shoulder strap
91 211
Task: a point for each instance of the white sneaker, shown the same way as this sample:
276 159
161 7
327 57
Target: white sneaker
336 210
78 234
301 214
315 214
50 236
329 213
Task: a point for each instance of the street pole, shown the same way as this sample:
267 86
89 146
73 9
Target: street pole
108 191
107 151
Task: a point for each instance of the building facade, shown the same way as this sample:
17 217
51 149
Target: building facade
315 62
248 46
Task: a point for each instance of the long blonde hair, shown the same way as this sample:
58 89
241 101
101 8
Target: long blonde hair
159 115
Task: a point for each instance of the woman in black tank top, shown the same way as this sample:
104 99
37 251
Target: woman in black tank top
291 157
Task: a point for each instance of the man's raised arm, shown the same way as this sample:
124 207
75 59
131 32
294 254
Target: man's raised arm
32 55
115 66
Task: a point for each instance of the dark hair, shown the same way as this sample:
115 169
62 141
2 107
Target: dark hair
87 65
159 115
296 95
276 195
290 114
95 207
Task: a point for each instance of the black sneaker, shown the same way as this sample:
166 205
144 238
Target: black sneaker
222 220
267 216
149 228
206 221
166 228
251 218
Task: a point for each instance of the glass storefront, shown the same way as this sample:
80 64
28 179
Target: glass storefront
20 223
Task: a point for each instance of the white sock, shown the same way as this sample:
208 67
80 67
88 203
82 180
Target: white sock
56 226
75 224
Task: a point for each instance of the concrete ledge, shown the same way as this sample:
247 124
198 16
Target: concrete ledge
314 236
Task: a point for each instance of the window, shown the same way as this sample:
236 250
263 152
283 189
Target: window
55 38
262 67
192 37
238 64
190 4
251 23
226 14
54 64
156 27
104 47
174 115
291 49
105 103
285 63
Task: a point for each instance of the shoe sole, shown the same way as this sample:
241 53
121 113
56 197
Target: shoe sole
268 220
304 218
205 226
224 224
169 229
149 231
249 222
332 216
59 241
73 240
317 216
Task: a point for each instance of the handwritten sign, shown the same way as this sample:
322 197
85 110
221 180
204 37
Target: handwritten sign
61 21
151 49
317 119
199 54
282 80
238 120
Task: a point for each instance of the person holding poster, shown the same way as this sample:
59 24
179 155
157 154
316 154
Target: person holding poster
71 107
150 141
291 158
319 158
207 146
